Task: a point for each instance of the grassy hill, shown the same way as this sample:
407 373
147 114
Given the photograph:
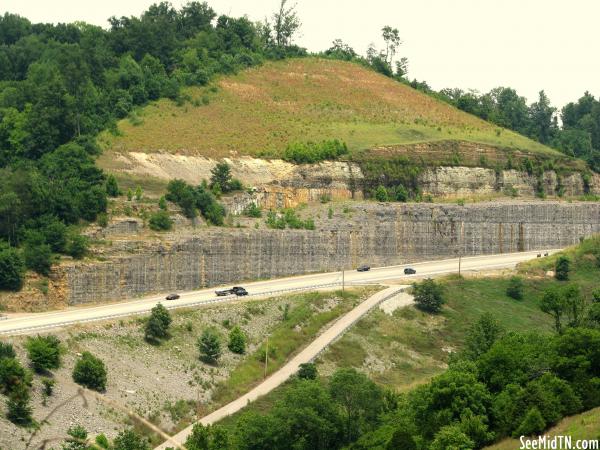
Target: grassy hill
260 110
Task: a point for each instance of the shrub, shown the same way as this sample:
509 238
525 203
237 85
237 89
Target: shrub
311 152
102 220
515 288
77 246
48 385
130 440
38 257
308 371
12 374
222 181
252 210
428 296
160 221
89 371
381 194
237 341
209 345
157 327
12 268
162 203
561 269
44 352
7 350
18 406
112 187
533 423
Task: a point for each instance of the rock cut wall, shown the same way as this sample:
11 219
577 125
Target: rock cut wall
378 234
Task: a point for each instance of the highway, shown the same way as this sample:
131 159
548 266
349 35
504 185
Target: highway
35 322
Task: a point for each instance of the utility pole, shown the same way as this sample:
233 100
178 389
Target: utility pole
343 282
266 356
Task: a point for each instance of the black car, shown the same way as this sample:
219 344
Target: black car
409 271
363 268
172 297
239 291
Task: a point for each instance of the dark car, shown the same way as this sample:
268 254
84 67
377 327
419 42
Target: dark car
363 268
224 292
409 271
172 297
239 291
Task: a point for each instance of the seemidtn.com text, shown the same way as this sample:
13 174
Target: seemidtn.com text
558 443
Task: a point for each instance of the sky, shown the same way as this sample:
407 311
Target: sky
529 45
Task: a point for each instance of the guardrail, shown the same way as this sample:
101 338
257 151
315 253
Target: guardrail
171 306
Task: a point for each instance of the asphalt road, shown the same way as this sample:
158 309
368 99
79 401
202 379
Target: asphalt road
35 322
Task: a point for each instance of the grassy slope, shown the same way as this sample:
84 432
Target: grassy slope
262 109
581 426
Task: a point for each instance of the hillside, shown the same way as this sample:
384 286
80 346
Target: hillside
260 110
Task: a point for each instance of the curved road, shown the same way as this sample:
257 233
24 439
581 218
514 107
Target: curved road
31 323
308 354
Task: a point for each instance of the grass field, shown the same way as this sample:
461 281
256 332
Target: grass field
260 110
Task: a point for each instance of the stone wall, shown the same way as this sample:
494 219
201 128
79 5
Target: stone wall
378 234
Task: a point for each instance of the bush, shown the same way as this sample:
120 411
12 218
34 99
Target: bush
112 187
48 385
102 220
237 341
209 345
428 296
7 350
157 327
381 194
89 371
44 352
77 246
162 203
18 406
533 423
515 288
12 268
308 371
253 210
561 270
221 180
12 374
160 221
38 256
311 152
130 440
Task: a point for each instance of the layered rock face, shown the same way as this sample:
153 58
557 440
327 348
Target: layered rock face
378 234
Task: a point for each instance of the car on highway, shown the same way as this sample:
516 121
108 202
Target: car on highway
363 268
172 297
223 292
409 271
239 291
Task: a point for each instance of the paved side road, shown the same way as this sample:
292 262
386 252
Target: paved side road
33 323
289 369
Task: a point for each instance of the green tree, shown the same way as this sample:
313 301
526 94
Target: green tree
428 296
160 221
44 352
112 187
38 254
130 440
237 341
209 346
77 245
451 437
157 326
533 423
553 303
515 288
12 268
561 269
208 438
308 371
221 177
381 194
7 350
12 374
77 440
482 335
90 371
18 406
285 24
360 400
162 203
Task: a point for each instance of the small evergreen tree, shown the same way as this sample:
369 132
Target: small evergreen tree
112 187
237 341
561 270
515 288
77 246
130 440
157 327
44 352
90 371
533 423
162 203
18 405
209 345
7 350
160 221
12 268
428 296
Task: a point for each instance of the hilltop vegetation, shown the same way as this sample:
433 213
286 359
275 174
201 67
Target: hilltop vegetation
262 110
